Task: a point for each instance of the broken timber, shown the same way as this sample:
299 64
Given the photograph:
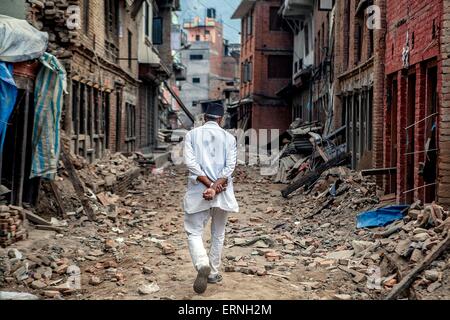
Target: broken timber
327 203
58 198
77 185
310 178
409 278
50 228
36 219
379 172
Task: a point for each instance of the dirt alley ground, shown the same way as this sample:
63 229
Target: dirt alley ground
136 258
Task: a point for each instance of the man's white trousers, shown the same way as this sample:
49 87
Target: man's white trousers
194 225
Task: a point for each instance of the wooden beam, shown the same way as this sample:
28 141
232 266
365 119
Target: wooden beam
58 198
35 218
177 98
50 228
409 278
379 171
77 184
311 177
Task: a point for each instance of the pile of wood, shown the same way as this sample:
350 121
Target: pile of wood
307 154
295 152
12 225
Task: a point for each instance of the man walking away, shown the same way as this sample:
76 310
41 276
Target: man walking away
210 154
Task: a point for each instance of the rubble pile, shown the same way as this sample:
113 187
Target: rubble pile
47 272
52 17
305 151
293 156
318 231
12 225
313 230
104 173
401 246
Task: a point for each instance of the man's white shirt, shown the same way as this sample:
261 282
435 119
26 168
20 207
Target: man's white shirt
209 151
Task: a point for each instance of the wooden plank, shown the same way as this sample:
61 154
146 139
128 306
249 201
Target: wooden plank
322 154
379 171
35 218
180 102
50 228
58 198
327 203
309 179
409 278
356 276
78 186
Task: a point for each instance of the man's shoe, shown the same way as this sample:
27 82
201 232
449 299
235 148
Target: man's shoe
201 282
215 278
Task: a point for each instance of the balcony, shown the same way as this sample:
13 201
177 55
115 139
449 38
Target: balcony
180 71
297 9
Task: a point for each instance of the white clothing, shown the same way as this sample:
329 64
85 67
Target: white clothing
209 151
194 225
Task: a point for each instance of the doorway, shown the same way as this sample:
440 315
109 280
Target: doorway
430 165
410 131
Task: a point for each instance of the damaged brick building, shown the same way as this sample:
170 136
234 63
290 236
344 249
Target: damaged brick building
355 79
412 106
379 71
117 55
115 58
266 65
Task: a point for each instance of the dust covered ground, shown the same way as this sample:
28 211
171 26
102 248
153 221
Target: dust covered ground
271 250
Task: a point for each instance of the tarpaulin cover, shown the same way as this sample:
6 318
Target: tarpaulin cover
48 96
8 95
20 41
380 217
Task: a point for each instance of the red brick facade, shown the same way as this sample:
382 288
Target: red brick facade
412 101
258 47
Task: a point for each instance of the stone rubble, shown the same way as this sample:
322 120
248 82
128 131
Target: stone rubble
272 238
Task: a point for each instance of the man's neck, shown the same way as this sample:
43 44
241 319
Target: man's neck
213 122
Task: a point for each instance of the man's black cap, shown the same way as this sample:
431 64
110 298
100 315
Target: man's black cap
215 110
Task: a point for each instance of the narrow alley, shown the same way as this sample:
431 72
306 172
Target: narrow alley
137 249
315 133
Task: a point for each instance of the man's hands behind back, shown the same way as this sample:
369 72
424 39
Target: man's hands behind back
218 187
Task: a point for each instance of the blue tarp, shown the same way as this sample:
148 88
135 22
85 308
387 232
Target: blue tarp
8 96
380 217
48 96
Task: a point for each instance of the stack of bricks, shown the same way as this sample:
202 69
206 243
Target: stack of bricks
53 17
12 225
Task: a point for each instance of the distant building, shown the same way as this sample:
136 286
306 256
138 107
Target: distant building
210 67
266 64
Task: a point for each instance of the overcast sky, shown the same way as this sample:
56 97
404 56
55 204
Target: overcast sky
224 8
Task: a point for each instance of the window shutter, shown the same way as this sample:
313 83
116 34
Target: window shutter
157 38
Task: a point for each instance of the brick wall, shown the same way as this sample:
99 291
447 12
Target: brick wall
444 117
271 117
379 89
91 65
257 48
421 22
